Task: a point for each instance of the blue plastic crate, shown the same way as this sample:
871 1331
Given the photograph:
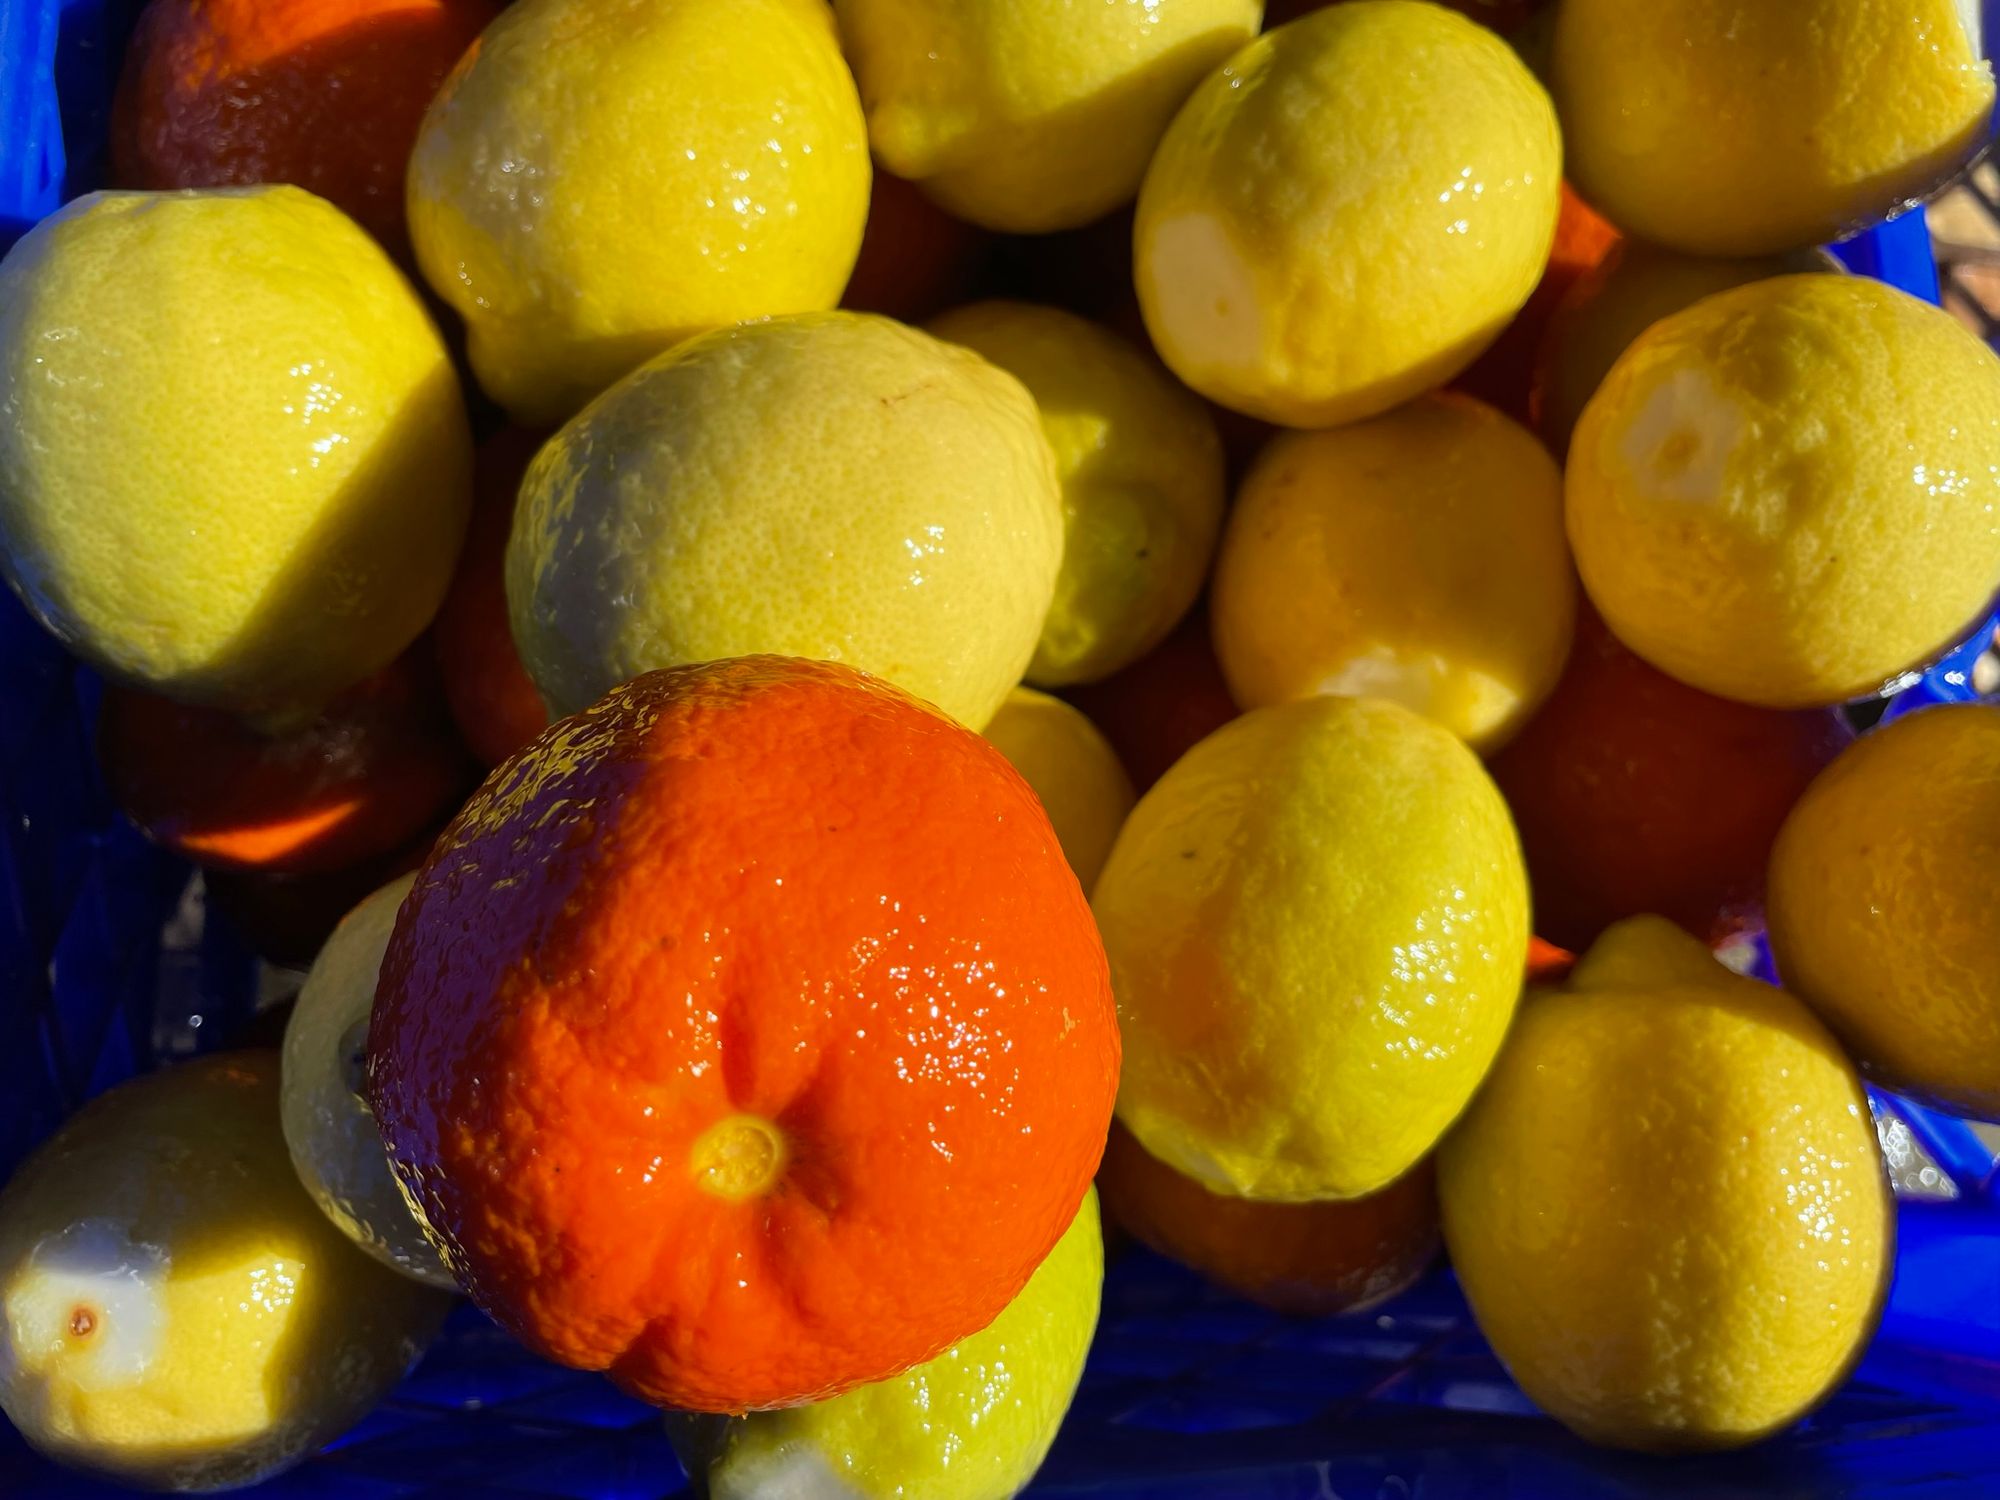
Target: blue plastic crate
107 967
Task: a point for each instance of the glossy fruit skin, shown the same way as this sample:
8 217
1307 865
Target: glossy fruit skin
1347 212
741 895
323 94
973 1424
1164 704
1635 793
1308 1260
831 485
1141 467
1880 912
1029 118
1073 770
1725 129
736 189
1317 923
492 697
1789 494
1417 556
1667 1206
231 1329
380 764
260 502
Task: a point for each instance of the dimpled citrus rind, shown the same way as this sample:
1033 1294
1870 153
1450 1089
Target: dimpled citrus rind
1347 213
1036 117
1143 484
1879 911
832 485
1667 1206
597 181
230 1329
972 1424
1317 923
1417 556
764 902
1790 493
235 467
1683 117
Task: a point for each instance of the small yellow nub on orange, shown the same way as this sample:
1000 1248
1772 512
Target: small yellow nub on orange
738 1158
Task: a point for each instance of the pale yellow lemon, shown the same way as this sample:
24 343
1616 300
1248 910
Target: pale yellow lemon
234 464
1790 493
1881 904
1667 1207
1417 556
599 179
1725 128
175 1313
1317 923
1074 771
973 1424
1142 482
830 485
1347 212
1031 115
329 1128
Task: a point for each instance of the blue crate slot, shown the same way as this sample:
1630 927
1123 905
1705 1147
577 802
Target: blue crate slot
107 968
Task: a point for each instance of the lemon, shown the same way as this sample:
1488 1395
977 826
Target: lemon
174 1312
1667 1207
328 1125
972 1424
234 465
1724 128
1035 116
1630 290
1346 213
1142 483
599 179
1881 904
1417 556
1317 923
1790 493
831 485
1072 768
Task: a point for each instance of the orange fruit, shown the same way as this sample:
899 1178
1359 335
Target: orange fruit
1311 1259
916 260
1635 793
746 1036
1163 705
491 695
323 94
378 765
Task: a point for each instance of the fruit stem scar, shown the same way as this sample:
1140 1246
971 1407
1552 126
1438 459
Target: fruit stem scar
738 1158
82 1322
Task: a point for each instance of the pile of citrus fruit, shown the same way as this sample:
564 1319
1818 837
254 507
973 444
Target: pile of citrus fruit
1004 565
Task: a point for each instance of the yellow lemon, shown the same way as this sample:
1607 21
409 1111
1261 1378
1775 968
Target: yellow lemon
1417 556
1881 904
1317 923
174 1311
1143 485
1725 128
1630 290
831 485
328 1125
234 465
1347 213
972 1424
1667 1207
1035 116
599 179
1072 768
1790 493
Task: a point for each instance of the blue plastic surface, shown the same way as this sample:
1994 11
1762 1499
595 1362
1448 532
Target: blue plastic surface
105 970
